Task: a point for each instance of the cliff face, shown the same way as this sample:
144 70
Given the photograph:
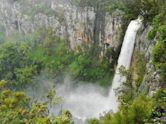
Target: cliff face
150 81
77 24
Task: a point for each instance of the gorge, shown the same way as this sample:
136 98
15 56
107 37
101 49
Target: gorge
82 61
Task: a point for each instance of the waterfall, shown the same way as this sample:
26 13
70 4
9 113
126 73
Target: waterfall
124 60
88 100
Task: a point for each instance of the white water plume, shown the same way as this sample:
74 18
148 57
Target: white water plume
83 101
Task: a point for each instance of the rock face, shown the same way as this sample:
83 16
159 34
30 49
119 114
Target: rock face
77 24
151 77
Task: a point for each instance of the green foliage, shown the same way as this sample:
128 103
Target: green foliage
43 51
25 74
135 113
86 68
65 118
14 61
13 105
52 53
140 67
133 8
160 97
127 7
126 93
106 119
49 42
16 109
93 121
159 53
162 31
159 109
135 108
152 34
20 62
159 50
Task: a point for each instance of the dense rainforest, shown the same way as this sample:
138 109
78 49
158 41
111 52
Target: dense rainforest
42 38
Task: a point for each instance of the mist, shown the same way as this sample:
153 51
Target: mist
83 99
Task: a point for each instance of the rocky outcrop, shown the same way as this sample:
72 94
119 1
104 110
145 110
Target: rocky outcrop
76 24
151 78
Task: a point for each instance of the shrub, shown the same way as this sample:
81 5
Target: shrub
15 63
16 108
86 68
152 34
140 67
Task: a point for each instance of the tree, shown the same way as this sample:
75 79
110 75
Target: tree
15 108
14 59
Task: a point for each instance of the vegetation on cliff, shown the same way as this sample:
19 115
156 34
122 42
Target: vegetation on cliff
21 61
136 107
